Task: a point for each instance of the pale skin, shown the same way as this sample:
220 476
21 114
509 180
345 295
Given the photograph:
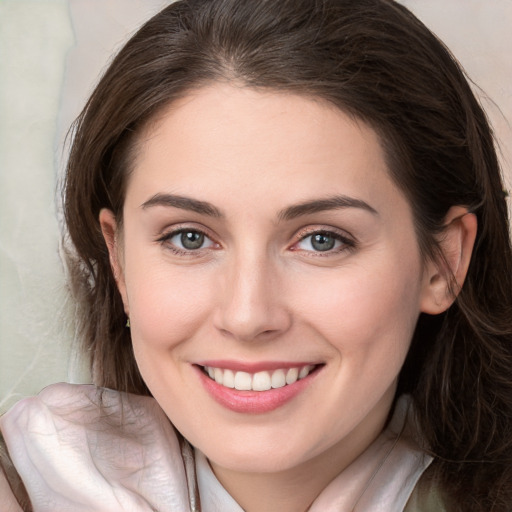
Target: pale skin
338 284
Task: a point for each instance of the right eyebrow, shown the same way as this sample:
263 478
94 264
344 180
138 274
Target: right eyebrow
183 203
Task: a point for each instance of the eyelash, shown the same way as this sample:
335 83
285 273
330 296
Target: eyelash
167 237
346 243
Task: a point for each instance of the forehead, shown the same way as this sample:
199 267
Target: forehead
224 142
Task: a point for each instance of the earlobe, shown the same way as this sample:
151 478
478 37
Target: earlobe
444 277
110 231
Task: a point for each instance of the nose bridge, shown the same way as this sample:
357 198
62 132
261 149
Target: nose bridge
251 305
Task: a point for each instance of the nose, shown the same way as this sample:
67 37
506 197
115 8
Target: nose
251 304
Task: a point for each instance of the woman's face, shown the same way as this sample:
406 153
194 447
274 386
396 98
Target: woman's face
264 243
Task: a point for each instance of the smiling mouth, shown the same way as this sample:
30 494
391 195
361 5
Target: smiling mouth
259 381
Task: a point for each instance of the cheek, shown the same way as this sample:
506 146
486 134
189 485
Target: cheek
166 305
167 309
364 309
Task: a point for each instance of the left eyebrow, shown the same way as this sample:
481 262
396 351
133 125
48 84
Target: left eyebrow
319 205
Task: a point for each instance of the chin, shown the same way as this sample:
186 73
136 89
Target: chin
248 462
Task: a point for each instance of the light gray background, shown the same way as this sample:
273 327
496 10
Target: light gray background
51 53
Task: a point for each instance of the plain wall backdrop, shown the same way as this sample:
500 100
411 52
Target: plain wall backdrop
51 54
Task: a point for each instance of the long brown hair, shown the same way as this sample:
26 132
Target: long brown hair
374 60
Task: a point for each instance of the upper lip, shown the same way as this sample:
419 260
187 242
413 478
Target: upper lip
254 367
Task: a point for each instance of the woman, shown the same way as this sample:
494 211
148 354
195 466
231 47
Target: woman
288 228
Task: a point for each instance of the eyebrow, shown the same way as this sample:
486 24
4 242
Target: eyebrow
319 205
183 203
289 213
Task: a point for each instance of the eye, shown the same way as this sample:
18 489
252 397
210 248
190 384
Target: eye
323 241
186 240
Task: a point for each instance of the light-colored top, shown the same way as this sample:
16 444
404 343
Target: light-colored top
88 449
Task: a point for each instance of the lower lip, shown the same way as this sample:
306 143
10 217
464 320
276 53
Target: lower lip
254 402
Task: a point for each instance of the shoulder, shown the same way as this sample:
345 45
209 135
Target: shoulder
83 447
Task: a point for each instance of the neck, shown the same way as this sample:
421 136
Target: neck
290 491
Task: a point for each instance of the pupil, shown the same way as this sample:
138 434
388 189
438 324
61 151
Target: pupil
322 242
192 239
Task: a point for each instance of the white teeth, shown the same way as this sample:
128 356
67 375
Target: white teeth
292 375
278 379
229 379
243 381
260 381
304 371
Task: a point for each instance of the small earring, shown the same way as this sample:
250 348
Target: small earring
128 322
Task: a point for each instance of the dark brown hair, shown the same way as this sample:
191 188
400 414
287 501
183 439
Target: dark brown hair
374 60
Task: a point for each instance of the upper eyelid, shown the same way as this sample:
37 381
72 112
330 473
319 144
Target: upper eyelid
308 231
170 231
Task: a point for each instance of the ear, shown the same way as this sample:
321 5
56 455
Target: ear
444 278
111 234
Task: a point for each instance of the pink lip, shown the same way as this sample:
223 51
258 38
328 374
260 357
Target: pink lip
253 402
261 366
